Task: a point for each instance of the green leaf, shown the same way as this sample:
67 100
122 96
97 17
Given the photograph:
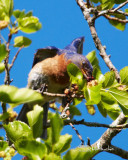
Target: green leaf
109 79
52 156
92 94
22 41
11 94
4 116
2 67
119 1
80 153
3 145
113 115
35 119
107 4
126 10
21 14
98 75
16 130
29 24
124 75
109 103
56 125
117 24
121 97
93 59
7 6
31 148
3 52
76 75
63 144
74 111
101 109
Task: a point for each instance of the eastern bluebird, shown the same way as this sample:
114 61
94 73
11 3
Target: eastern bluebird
50 68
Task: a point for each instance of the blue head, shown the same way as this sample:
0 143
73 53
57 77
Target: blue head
82 63
76 45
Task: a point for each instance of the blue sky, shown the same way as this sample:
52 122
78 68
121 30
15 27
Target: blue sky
63 21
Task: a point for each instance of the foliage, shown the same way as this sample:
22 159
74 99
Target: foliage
104 92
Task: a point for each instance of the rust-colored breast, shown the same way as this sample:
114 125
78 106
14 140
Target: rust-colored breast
56 68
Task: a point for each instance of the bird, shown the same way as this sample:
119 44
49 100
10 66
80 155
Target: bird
50 68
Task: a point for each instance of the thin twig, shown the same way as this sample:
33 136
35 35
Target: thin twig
7 80
116 19
80 137
94 124
98 44
14 58
119 12
62 95
120 6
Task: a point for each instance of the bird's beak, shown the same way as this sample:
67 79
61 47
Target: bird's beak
87 73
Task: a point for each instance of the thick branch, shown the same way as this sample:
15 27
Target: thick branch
105 140
96 39
118 151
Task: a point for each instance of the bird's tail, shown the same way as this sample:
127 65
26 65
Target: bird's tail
45 117
23 113
23 117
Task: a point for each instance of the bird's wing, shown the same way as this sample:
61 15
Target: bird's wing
76 45
44 53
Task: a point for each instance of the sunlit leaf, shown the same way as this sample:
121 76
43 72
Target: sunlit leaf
107 4
80 153
109 79
3 145
22 41
16 130
63 144
56 126
3 52
76 75
92 94
31 148
52 156
121 97
117 24
98 75
93 59
35 119
108 102
7 6
29 24
2 67
124 75
11 94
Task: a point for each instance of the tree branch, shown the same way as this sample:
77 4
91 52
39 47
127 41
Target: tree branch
14 58
116 19
118 151
7 80
105 140
96 39
94 124
120 6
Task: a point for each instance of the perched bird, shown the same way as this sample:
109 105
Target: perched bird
50 68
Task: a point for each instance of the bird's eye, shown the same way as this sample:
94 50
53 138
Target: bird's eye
83 63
